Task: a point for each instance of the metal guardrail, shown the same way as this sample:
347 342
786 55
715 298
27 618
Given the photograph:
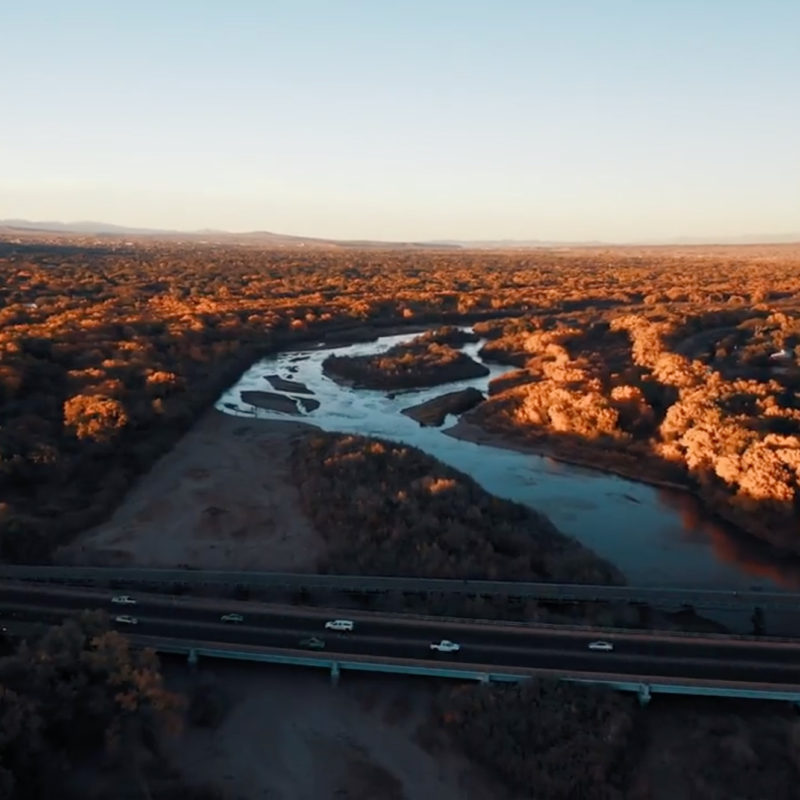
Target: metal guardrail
556 592
643 687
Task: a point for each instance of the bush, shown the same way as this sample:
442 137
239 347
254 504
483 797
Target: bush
547 739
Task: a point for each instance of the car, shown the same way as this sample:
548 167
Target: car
232 618
126 620
312 643
605 646
339 625
446 646
123 600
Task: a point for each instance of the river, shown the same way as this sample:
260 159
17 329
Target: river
657 537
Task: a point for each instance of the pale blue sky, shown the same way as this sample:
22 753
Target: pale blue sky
557 119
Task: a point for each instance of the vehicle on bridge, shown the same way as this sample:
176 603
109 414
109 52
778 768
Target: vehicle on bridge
603 646
339 625
312 643
123 600
446 646
126 620
232 618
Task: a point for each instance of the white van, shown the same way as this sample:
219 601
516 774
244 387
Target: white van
339 625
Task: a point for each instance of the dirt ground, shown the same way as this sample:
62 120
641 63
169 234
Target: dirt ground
290 735
223 498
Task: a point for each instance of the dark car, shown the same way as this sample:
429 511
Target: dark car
312 643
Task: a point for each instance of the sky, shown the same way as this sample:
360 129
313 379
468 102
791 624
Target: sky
617 120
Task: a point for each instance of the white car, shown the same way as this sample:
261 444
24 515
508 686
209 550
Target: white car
123 600
339 625
125 619
232 618
446 646
604 646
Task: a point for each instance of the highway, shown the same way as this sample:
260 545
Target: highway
387 637
658 597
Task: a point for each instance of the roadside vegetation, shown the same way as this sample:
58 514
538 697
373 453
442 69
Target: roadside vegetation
82 715
718 750
553 741
546 739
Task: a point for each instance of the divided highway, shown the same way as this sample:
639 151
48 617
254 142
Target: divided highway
390 637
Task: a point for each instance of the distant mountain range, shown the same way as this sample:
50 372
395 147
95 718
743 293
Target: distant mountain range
502 244
266 238
205 236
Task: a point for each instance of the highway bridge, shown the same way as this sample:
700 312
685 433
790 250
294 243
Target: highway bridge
642 661
664 598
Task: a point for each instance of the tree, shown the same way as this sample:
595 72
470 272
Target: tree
94 417
78 690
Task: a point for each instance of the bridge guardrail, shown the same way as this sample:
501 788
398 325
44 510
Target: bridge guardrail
666 596
644 686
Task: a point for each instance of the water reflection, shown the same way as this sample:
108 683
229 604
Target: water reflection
655 536
731 546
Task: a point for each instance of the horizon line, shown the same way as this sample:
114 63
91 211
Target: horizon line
97 228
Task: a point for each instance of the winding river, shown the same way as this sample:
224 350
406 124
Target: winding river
657 537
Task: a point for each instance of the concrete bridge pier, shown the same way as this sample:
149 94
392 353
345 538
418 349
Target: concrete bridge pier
644 694
335 673
192 659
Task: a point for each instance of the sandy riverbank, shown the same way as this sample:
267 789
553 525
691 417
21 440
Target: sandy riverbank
223 498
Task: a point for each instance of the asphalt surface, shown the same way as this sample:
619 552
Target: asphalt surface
714 658
148 579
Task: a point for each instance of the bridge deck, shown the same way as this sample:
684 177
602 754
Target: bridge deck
557 592
644 686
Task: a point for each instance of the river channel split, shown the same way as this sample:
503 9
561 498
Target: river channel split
656 536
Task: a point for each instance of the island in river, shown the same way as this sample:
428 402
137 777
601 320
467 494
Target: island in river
427 360
273 401
435 411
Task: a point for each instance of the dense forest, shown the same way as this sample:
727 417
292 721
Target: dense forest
679 363
390 509
108 354
709 401
109 351
552 741
546 739
82 715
